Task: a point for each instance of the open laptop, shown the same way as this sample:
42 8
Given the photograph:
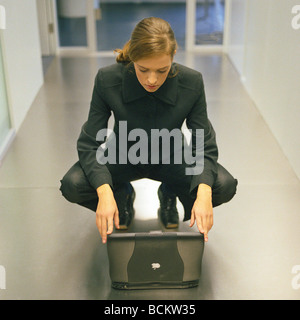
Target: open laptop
155 259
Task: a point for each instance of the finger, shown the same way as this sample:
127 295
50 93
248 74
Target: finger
110 226
103 230
192 219
204 228
200 224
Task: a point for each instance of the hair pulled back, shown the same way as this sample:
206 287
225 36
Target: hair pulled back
151 36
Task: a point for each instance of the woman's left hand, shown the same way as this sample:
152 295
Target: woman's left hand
202 211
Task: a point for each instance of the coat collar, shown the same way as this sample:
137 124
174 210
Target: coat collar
133 90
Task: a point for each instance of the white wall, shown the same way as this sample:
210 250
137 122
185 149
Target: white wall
236 25
265 49
22 56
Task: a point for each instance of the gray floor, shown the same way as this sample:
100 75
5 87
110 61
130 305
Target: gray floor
51 249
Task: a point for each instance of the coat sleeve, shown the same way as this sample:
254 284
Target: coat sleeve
197 119
87 145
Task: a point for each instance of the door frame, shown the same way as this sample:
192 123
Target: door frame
190 36
91 48
47 27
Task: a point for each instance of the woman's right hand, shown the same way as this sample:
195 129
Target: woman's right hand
107 212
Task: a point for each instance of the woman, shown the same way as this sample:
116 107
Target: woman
145 91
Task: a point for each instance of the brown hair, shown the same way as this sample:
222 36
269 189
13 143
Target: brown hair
151 36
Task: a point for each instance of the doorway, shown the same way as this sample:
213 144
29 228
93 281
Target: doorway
46 22
103 25
210 22
118 19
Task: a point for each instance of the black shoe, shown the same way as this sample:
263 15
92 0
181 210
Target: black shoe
126 214
167 212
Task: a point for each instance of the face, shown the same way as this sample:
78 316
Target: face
153 71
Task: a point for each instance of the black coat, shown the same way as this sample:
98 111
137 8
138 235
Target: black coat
117 91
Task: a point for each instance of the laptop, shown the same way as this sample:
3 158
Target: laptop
155 259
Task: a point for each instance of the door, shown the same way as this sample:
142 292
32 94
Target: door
72 23
196 23
209 22
205 24
118 19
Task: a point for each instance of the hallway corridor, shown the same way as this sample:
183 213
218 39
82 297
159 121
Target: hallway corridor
51 249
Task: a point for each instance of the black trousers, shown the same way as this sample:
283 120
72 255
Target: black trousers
76 188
